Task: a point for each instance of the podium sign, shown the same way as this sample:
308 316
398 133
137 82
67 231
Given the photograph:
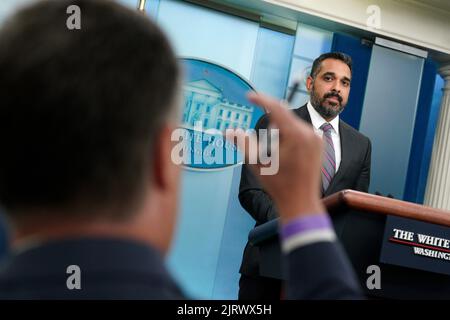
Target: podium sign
416 244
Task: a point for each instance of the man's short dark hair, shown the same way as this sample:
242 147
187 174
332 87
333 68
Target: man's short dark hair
317 64
79 109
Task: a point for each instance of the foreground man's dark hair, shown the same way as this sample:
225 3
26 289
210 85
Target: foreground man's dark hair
80 108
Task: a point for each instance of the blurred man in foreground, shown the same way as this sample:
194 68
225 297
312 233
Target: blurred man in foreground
86 176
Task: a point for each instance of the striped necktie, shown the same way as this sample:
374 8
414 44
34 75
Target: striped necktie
329 158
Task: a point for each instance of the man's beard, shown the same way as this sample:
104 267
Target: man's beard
327 112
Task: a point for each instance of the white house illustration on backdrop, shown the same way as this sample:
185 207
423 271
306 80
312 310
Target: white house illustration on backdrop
205 102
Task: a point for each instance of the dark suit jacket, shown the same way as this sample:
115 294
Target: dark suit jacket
120 269
353 173
321 271
110 269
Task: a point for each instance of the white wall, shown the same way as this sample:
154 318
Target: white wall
406 20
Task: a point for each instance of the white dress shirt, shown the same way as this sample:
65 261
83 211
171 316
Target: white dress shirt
317 121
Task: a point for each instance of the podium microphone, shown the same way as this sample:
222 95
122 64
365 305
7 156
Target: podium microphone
296 85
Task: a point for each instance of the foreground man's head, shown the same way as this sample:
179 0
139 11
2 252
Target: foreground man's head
85 123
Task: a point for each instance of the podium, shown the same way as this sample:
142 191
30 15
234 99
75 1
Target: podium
408 242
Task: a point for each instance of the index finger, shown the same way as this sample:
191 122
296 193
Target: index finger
279 114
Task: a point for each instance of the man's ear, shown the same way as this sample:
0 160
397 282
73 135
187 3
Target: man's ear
309 83
164 171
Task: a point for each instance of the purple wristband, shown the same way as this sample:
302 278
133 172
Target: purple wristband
303 224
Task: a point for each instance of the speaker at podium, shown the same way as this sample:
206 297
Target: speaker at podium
398 249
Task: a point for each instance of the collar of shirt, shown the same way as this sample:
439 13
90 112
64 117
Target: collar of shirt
317 120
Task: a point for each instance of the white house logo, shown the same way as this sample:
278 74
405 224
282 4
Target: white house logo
204 102
423 244
214 101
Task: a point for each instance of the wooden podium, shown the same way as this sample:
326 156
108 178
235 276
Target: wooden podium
363 225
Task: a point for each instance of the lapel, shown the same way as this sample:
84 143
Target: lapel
303 113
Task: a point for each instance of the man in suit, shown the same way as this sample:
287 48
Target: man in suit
86 175
345 163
